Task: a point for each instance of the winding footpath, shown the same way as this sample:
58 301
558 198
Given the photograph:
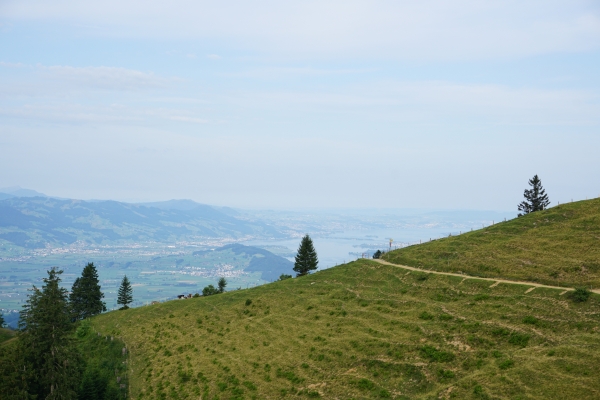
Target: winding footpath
496 281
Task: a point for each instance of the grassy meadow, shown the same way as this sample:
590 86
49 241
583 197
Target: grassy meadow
559 246
364 330
6 335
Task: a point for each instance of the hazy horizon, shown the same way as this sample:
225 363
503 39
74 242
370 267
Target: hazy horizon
330 104
403 211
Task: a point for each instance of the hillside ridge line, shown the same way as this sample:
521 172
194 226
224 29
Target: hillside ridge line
525 283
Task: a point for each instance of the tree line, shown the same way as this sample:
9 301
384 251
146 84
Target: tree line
45 363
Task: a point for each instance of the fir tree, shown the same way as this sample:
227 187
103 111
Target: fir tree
221 284
1 320
536 198
86 296
50 360
13 374
306 259
93 385
125 295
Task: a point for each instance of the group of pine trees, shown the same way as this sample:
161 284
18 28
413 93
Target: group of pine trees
45 363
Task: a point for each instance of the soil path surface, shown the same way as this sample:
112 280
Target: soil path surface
496 281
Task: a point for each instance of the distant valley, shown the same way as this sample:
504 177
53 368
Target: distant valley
179 246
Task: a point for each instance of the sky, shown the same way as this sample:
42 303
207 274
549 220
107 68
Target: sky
272 104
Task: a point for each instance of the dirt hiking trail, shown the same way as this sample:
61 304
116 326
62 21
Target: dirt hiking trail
496 281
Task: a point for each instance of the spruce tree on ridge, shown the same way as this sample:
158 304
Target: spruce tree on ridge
536 198
306 259
125 294
86 296
50 358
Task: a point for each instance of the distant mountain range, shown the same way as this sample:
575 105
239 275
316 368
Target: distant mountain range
30 219
17 191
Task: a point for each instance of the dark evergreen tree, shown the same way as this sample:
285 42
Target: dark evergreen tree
536 198
125 295
93 385
306 259
1 320
13 374
221 284
50 359
283 277
377 254
86 296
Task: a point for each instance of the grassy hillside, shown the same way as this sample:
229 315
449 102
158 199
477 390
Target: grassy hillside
558 246
104 369
364 330
5 335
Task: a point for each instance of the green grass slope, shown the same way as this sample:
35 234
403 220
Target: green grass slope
6 335
364 331
559 246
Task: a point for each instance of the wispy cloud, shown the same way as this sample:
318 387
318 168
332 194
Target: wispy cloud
71 114
419 103
13 65
427 29
188 119
111 78
286 72
213 56
437 103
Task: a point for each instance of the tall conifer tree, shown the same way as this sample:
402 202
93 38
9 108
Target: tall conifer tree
51 361
86 296
306 259
536 198
125 295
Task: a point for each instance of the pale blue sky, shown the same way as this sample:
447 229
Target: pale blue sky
434 104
